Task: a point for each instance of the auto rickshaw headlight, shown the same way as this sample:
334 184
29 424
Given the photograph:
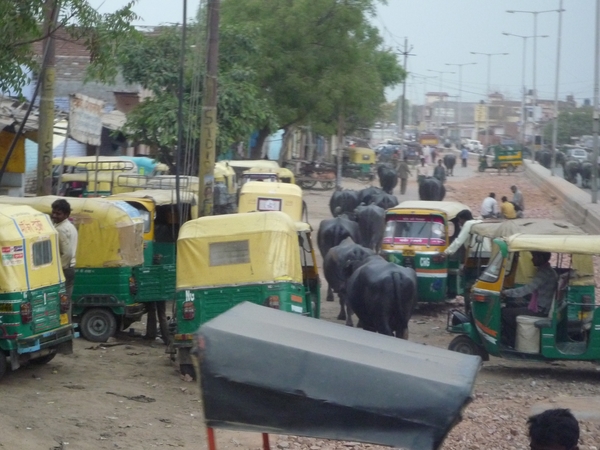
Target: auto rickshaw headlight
64 304
273 301
189 310
26 313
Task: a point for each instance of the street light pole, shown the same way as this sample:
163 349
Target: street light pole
596 123
489 70
441 73
522 131
459 101
555 121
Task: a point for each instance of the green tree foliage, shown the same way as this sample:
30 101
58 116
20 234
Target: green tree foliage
21 27
571 123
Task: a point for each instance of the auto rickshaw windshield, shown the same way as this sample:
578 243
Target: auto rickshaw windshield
418 230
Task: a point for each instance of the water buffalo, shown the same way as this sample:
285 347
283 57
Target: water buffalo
571 168
385 201
367 194
544 157
331 233
449 162
344 202
388 179
337 268
371 224
431 188
383 296
586 174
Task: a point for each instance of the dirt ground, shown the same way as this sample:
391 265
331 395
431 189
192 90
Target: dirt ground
127 394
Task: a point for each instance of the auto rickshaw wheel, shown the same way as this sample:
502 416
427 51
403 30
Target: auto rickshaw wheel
187 369
510 168
3 364
464 344
98 324
327 184
44 359
481 169
308 184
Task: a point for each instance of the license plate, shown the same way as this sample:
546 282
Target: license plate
408 253
64 319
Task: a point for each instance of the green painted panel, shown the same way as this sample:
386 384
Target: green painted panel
104 286
165 252
155 283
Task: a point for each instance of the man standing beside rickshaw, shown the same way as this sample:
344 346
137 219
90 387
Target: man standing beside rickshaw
67 241
403 174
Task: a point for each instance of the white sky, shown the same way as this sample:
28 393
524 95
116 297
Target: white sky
446 31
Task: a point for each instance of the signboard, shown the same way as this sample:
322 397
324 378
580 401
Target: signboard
480 113
85 119
269 204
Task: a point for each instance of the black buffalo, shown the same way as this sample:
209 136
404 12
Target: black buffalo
366 195
331 233
385 201
388 179
586 174
371 224
449 162
344 202
337 268
431 188
571 168
544 157
383 296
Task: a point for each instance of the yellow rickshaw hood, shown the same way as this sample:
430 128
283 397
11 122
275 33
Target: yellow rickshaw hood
419 207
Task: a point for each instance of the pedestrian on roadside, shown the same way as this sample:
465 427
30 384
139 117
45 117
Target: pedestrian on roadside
489 207
553 429
464 156
403 174
427 153
507 209
440 172
67 241
422 170
433 154
518 200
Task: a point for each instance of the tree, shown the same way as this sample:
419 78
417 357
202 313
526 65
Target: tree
571 123
317 59
21 27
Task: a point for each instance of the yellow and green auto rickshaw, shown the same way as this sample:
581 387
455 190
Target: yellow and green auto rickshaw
110 247
555 337
230 259
502 157
416 235
35 322
280 174
241 165
259 196
359 163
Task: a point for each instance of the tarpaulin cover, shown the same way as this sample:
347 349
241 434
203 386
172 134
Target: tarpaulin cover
266 370
505 228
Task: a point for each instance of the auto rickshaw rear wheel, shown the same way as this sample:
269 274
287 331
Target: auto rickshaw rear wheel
43 359
3 364
327 184
464 344
98 324
510 168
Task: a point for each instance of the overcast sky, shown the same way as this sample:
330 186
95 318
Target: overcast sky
446 31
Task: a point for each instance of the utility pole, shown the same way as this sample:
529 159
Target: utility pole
46 123
208 121
596 125
406 53
442 102
340 150
555 121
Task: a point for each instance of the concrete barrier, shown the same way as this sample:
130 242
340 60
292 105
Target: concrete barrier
576 203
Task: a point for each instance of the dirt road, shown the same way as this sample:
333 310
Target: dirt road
128 395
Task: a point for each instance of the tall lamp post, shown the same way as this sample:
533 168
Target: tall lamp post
441 74
535 15
487 116
522 137
459 100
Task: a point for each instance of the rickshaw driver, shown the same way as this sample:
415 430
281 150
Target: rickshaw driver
541 287
67 241
465 222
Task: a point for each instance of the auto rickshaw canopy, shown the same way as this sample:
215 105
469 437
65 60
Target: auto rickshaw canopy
361 155
250 163
503 228
110 233
283 174
266 370
82 163
450 209
238 249
29 244
260 196
163 197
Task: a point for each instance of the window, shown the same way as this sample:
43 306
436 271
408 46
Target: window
493 269
42 253
419 230
228 253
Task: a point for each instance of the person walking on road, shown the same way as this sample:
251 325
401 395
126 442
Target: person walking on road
440 172
517 200
464 156
422 170
553 429
67 241
489 207
403 174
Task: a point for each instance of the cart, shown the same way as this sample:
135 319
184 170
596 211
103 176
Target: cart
309 173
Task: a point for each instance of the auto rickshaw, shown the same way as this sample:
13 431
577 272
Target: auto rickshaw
556 337
504 158
259 196
229 259
225 189
241 165
359 163
110 247
262 370
280 174
34 309
416 235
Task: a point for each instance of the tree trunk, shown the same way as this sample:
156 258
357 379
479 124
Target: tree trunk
340 150
285 142
257 151
310 144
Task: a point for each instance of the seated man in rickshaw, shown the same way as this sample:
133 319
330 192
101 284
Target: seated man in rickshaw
541 287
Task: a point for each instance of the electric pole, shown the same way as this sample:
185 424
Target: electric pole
406 53
208 121
46 123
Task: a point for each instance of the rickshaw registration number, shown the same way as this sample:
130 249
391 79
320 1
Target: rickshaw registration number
408 253
64 319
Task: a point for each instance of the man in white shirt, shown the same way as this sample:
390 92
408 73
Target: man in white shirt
465 221
489 207
67 241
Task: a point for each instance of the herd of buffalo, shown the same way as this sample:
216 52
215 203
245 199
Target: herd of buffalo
571 166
